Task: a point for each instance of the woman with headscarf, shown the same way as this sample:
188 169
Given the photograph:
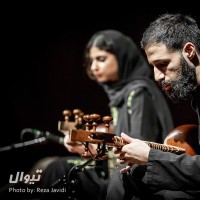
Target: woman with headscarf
137 106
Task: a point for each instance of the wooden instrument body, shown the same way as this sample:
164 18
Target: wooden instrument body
186 137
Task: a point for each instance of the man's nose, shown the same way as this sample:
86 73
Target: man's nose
158 75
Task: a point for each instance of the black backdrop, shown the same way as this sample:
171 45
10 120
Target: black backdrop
42 75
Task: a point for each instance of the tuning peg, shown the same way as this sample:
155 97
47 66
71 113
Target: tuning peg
94 118
67 114
107 120
87 124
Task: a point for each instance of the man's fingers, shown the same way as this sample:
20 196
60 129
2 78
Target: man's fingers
117 150
126 138
125 169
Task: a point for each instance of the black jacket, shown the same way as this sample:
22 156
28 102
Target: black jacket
168 172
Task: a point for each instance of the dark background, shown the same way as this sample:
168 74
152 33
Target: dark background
42 74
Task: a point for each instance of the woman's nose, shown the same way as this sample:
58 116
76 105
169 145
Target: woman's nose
94 65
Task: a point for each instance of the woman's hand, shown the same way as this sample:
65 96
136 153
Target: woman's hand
78 147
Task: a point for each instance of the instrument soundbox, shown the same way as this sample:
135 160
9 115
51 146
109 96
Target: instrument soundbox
182 139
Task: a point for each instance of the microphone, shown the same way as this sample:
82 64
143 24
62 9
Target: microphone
46 135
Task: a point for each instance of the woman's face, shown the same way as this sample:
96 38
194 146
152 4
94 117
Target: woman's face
104 65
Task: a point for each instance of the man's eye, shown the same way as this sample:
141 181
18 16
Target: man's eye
161 65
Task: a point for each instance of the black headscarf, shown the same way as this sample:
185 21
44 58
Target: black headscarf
132 64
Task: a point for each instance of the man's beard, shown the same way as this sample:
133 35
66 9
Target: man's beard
182 88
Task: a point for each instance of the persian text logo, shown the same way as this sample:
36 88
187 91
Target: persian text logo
26 178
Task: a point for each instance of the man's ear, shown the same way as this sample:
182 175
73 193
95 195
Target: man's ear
189 50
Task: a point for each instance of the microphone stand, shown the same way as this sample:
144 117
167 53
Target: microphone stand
24 144
47 137
70 181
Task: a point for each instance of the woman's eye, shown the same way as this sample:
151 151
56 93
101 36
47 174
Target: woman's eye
101 59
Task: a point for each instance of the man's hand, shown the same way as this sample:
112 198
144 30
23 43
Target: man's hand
134 152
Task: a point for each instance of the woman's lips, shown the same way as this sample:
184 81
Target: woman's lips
98 76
